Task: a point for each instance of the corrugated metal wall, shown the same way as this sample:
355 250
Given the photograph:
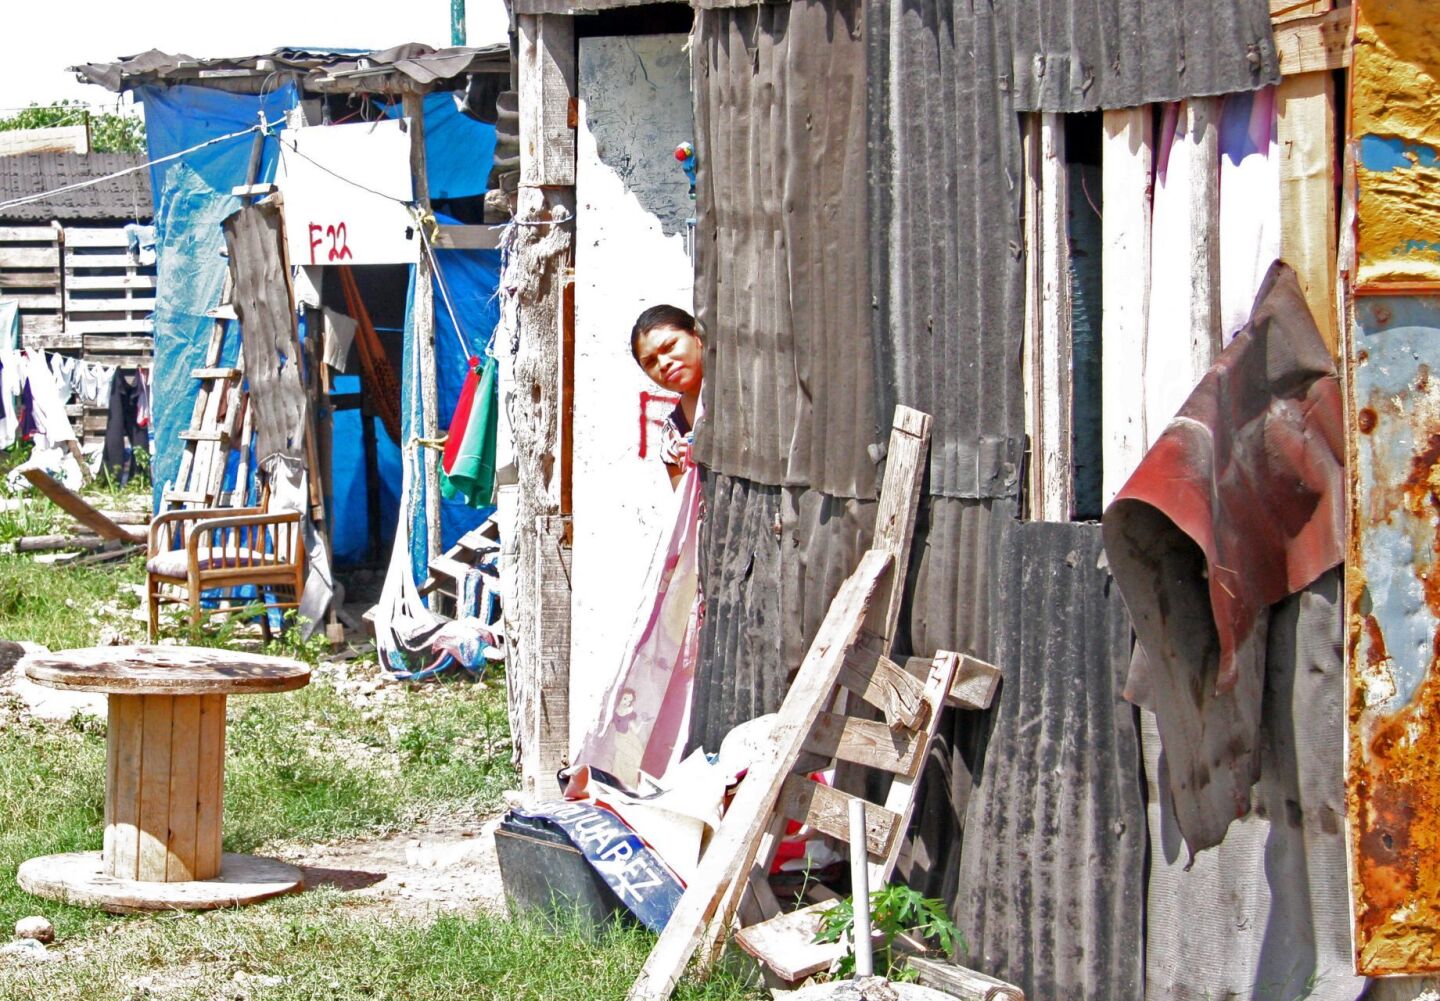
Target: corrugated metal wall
781 282
1051 880
1079 55
946 243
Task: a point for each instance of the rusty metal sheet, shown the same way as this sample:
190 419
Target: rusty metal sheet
1395 121
1393 599
1238 504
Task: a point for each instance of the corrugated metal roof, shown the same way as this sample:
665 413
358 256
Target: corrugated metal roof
122 199
947 248
1079 55
781 279
318 69
1051 875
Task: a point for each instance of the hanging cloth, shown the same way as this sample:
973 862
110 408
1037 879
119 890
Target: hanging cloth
469 458
379 378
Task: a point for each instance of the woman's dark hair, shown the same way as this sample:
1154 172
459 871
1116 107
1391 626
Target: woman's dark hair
660 316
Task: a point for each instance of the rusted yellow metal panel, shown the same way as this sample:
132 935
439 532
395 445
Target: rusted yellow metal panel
1393 598
1395 119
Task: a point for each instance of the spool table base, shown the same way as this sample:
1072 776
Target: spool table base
80 878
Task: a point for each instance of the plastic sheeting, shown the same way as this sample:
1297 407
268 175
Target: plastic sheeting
193 197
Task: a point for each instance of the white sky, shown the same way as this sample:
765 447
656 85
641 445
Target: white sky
41 38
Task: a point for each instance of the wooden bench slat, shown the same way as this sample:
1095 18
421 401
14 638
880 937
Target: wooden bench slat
828 811
865 742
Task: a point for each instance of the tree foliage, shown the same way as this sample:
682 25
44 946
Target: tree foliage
110 131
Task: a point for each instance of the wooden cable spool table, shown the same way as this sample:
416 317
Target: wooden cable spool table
164 779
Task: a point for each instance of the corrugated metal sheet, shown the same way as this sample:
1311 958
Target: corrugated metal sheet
1051 880
947 247
1079 55
1265 915
318 69
781 281
1393 596
122 199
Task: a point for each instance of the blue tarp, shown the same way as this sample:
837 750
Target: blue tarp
192 197
458 149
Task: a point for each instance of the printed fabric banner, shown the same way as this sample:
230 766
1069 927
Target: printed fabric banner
642 881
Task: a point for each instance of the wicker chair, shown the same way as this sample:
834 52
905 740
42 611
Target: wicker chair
192 552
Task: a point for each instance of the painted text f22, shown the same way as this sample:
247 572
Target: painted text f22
337 238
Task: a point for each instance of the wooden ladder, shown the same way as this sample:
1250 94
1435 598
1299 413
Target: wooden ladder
849 660
219 423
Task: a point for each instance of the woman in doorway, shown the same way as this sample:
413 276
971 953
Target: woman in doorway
667 346
645 718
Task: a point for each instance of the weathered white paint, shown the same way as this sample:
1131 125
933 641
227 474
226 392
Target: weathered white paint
1250 228
61 139
344 186
632 204
1128 156
1183 331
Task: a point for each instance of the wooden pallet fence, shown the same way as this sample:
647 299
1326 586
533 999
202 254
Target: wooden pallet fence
30 273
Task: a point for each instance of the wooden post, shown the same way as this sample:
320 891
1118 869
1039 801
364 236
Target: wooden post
1048 371
539 611
1306 139
1202 126
1127 159
549 749
424 333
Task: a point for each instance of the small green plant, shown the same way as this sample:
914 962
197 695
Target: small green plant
110 132
895 909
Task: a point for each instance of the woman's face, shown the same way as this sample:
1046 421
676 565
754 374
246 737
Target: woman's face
673 358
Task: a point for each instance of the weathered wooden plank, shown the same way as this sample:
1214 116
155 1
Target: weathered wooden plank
733 846
896 510
83 236
973 686
423 314
264 301
29 279
547 86
786 943
29 257
133 325
155 786
827 810
75 259
103 283
1314 44
76 507
29 234
865 742
883 683
958 982
469 237
33 341
1127 158
127 718
551 745
1052 470
185 768
78 304
1202 117
123 361
32 300
210 787
1305 133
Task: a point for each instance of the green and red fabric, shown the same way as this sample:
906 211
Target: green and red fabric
469 458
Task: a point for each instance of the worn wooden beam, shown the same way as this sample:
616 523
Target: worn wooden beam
1202 126
547 86
1047 350
1127 158
958 982
76 507
424 332
1314 44
549 748
699 918
1306 137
